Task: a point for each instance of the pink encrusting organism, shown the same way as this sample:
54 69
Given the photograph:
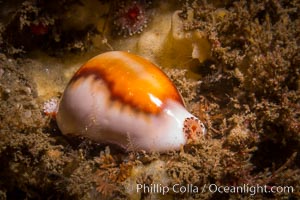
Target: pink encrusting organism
121 98
131 17
50 107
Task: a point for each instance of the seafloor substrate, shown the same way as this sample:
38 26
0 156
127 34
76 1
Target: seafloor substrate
246 90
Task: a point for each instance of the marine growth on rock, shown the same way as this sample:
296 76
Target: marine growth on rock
130 17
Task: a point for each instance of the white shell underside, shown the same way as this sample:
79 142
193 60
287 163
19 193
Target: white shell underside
87 110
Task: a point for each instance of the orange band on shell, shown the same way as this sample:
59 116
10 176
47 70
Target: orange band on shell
131 80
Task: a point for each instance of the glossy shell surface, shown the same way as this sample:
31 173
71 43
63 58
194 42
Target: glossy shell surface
121 98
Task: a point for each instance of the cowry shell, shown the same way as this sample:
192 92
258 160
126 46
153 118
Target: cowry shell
121 98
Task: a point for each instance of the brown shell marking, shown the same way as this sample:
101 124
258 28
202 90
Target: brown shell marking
132 80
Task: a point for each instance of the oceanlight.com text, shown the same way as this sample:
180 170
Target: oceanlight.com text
213 188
